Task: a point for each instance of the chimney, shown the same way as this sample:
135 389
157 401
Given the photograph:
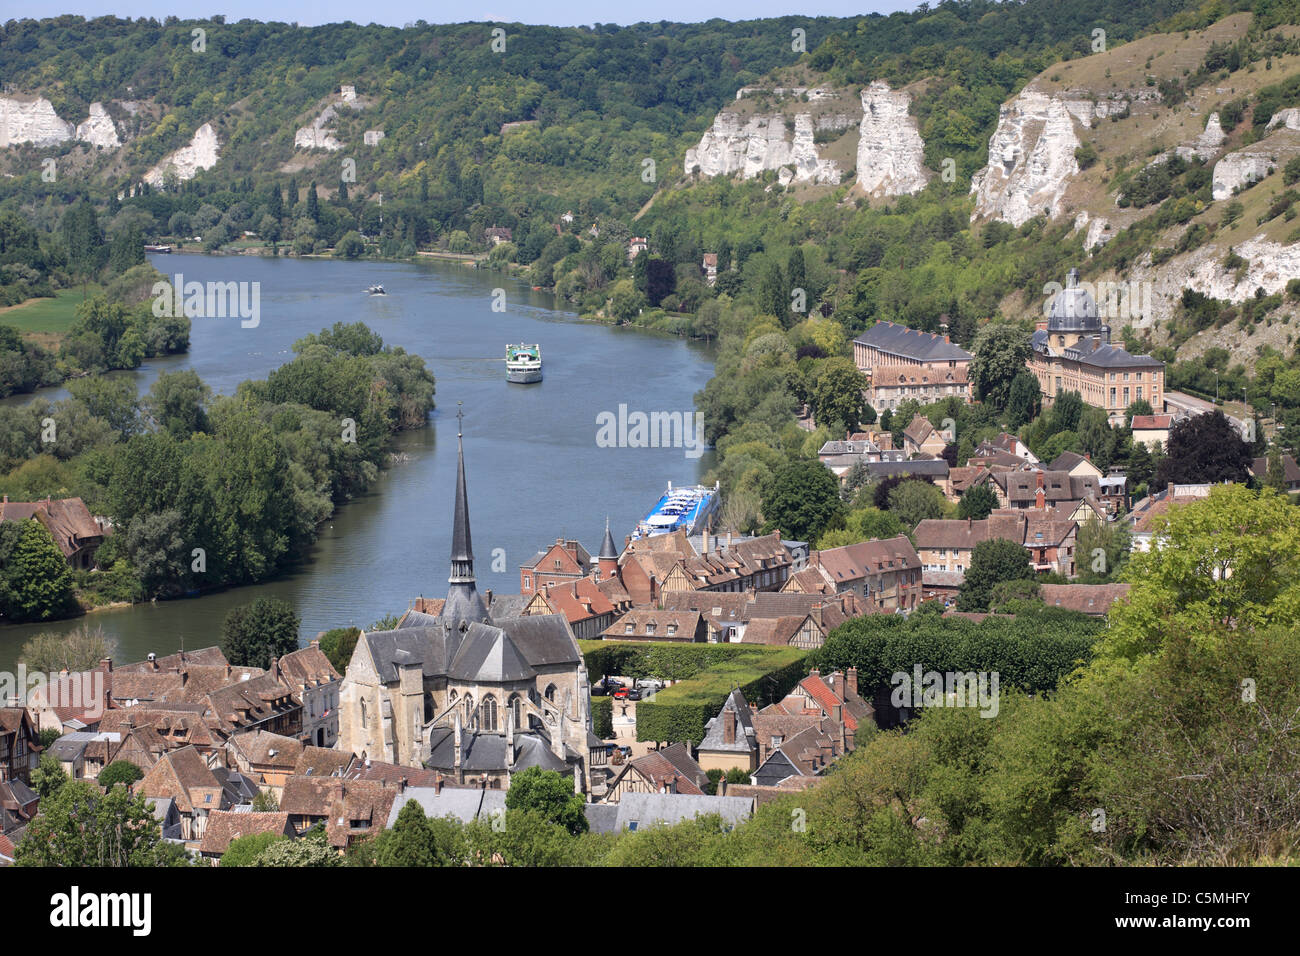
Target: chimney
437 786
106 664
851 682
815 673
1170 489
722 786
401 785
837 713
313 643
487 597
728 725
1038 479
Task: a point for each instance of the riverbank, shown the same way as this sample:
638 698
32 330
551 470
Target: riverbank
389 545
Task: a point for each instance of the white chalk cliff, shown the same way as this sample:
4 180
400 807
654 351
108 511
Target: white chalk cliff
1031 157
31 121
891 158
98 130
1207 144
1237 169
185 163
748 148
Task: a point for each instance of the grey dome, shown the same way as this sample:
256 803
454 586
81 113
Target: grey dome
1073 309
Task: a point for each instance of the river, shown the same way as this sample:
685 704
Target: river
534 469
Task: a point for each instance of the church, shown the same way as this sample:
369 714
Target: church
1072 352
473 694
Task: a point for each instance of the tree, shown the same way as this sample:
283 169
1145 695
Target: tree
37 577
48 777
410 843
83 826
915 501
119 771
771 294
80 649
309 851
178 402
1139 407
1100 551
338 644
313 204
977 502
549 794
1024 399
113 399
801 499
1218 566
253 634
992 561
838 398
1275 477
351 246
265 802
1000 352
796 279
1206 448
245 850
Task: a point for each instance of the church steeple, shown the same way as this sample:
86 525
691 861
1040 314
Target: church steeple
463 601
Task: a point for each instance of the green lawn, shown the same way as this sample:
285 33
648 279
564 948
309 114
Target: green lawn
46 315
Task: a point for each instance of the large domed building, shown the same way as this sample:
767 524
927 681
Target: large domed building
1072 352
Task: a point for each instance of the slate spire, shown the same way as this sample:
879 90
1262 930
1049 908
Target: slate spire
464 605
607 547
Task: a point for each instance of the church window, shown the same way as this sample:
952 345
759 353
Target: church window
469 707
515 708
363 711
550 692
488 713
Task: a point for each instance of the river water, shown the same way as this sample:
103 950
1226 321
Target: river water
534 469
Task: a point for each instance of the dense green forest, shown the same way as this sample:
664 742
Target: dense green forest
203 491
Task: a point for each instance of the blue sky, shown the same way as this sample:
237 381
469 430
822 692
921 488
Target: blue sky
399 12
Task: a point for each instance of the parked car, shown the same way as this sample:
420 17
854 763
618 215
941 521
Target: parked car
621 693
598 690
648 683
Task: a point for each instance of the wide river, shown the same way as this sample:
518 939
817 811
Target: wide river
535 471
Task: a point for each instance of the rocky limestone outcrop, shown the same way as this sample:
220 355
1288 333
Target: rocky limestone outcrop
320 135
735 145
33 121
1270 266
1237 169
1031 157
1287 119
185 163
891 155
1099 231
1207 144
98 130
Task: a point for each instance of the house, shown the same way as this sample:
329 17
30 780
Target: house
655 624
637 811
588 607
72 701
1006 444
1072 352
841 456
567 218
730 741
168 817
710 266
946 546
1092 599
1291 473
562 563
921 438
69 522
323 762
224 827
315 685
805 754
18 807
185 777
70 751
351 810
1142 520
886 345
891 385
268 759
635 246
20 746
498 234
671 770
466 804
1152 430
1040 488
1075 465
886 573
934 470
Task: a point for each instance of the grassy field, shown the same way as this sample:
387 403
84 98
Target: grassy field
46 315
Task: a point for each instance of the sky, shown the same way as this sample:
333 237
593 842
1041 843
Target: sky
401 12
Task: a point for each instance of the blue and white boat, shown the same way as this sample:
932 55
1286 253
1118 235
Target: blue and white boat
680 509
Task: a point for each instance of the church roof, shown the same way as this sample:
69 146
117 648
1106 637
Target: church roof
486 752
488 656
543 639
427 646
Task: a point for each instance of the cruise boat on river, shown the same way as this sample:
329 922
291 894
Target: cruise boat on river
680 509
523 364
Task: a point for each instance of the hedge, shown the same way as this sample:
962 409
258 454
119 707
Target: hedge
602 717
706 674
1030 651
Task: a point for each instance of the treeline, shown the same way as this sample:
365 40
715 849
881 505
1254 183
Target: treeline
206 492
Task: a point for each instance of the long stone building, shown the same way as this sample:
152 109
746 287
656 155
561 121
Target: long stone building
473 695
1072 352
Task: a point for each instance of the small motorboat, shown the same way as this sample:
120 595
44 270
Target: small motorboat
376 290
